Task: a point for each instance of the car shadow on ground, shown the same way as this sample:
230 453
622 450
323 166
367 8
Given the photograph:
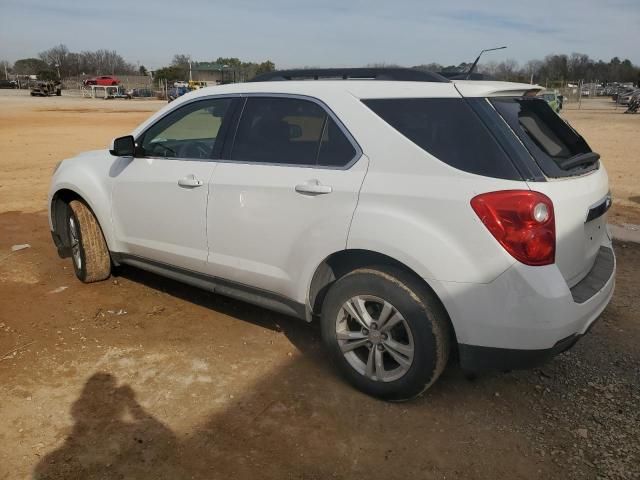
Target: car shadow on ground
304 336
299 421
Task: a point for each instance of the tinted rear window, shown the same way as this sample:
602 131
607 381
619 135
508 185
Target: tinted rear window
448 129
549 139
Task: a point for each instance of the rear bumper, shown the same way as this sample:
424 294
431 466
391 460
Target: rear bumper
528 314
475 358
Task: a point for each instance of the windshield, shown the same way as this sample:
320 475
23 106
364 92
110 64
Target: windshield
549 139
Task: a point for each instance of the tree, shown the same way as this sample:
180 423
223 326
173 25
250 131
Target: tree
5 68
181 60
47 75
229 61
532 69
171 74
57 58
265 67
579 66
508 70
429 67
29 66
142 70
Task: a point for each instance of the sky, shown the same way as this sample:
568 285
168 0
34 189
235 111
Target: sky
323 33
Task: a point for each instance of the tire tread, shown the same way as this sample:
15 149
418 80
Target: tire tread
97 261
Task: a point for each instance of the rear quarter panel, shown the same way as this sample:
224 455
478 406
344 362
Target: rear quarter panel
416 209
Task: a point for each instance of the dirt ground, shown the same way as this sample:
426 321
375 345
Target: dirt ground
141 377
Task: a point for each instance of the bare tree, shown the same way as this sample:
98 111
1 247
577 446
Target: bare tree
181 60
507 70
57 59
5 68
532 69
429 67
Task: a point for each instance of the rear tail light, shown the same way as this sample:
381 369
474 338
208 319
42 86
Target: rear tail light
522 221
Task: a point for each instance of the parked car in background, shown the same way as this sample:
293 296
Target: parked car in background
104 80
180 84
552 98
44 89
176 92
195 85
626 97
417 221
8 84
141 93
117 92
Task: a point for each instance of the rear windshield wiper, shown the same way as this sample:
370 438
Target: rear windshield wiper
579 160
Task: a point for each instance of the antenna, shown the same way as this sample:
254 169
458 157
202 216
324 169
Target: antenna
476 62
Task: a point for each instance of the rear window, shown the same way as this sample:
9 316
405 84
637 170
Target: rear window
557 148
448 129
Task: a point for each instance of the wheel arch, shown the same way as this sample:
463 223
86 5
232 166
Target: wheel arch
58 217
342 262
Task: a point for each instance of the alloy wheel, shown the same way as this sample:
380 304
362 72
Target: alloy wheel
374 338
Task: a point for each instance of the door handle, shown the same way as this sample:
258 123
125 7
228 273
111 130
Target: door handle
313 187
190 182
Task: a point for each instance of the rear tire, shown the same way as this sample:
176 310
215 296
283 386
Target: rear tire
90 255
403 335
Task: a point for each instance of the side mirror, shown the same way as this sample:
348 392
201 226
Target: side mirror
123 146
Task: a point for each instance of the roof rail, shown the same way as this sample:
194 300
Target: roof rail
401 74
464 75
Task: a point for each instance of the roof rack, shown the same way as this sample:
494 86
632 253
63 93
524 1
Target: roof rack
401 74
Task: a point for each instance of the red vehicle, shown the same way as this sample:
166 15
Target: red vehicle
104 80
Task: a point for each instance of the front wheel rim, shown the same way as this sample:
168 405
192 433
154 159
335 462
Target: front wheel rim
374 338
75 243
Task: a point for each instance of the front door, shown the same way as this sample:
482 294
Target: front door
160 197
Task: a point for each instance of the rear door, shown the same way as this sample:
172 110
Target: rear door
576 181
283 195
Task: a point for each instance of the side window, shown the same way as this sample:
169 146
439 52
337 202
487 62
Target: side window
449 130
188 132
335 149
280 131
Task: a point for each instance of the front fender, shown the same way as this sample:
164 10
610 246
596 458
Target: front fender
87 176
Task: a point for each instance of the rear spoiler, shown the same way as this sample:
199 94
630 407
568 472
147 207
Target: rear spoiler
474 88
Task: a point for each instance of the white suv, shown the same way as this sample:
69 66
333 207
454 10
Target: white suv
419 220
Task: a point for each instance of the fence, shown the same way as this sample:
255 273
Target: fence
126 81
